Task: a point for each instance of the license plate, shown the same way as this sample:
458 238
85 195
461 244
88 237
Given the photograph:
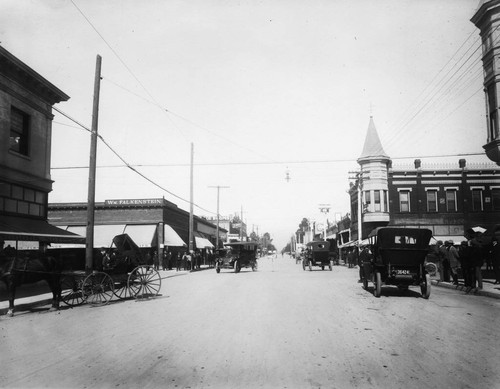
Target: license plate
401 272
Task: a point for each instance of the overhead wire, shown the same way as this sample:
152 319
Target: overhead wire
126 164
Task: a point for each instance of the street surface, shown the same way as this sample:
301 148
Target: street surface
279 327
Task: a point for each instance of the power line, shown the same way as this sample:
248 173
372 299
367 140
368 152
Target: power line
125 163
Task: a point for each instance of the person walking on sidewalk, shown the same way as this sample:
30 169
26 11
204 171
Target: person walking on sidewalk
452 257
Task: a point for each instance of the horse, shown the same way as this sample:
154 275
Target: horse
16 271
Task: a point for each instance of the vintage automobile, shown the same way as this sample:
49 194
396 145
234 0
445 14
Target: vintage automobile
237 255
398 258
317 253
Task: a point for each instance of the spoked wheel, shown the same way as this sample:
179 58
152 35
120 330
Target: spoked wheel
425 287
98 288
378 285
121 290
71 290
144 282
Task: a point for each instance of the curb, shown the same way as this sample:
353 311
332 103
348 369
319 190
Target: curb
462 288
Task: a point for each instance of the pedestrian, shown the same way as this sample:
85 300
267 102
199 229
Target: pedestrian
365 258
453 260
156 261
441 255
164 260
477 254
495 257
178 261
464 258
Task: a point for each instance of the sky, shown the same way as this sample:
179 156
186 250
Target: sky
258 90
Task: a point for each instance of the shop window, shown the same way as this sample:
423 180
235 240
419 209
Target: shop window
19 131
404 201
432 201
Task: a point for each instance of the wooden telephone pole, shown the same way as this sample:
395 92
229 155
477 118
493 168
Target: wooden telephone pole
89 244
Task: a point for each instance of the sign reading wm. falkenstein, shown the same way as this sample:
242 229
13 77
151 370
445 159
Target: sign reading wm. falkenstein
135 202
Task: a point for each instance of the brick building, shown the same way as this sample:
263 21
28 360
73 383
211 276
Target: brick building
26 100
151 223
448 198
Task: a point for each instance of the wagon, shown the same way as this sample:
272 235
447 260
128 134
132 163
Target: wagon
317 253
239 255
123 274
398 259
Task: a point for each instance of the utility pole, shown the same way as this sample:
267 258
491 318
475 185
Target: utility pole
191 224
89 242
241 225
217 234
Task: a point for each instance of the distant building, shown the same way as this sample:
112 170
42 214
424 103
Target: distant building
26 100
448 199
151 223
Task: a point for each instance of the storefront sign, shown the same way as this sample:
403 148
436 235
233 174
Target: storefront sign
145 202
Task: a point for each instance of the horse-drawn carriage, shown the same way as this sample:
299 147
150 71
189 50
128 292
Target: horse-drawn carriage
317 253
123 274
398 258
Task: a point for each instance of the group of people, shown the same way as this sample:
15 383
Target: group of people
468 259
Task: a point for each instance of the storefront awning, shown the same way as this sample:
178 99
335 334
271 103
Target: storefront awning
202 243
171 238
24 229
143 235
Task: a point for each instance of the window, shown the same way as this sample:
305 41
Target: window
386 208
432 201
451 200
367 201
404 201
377 201
19 131
495 198
477 199
492 105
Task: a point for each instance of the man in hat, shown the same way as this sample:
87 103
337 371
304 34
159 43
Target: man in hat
441 256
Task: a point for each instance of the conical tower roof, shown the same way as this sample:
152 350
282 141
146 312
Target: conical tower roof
373 147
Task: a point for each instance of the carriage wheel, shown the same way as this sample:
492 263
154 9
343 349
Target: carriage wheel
425 287
98 288
378 285
121 290
71 290
144 282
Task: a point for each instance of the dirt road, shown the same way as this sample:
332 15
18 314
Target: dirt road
279 327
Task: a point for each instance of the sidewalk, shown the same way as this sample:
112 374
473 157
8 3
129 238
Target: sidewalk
32 297
489 288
